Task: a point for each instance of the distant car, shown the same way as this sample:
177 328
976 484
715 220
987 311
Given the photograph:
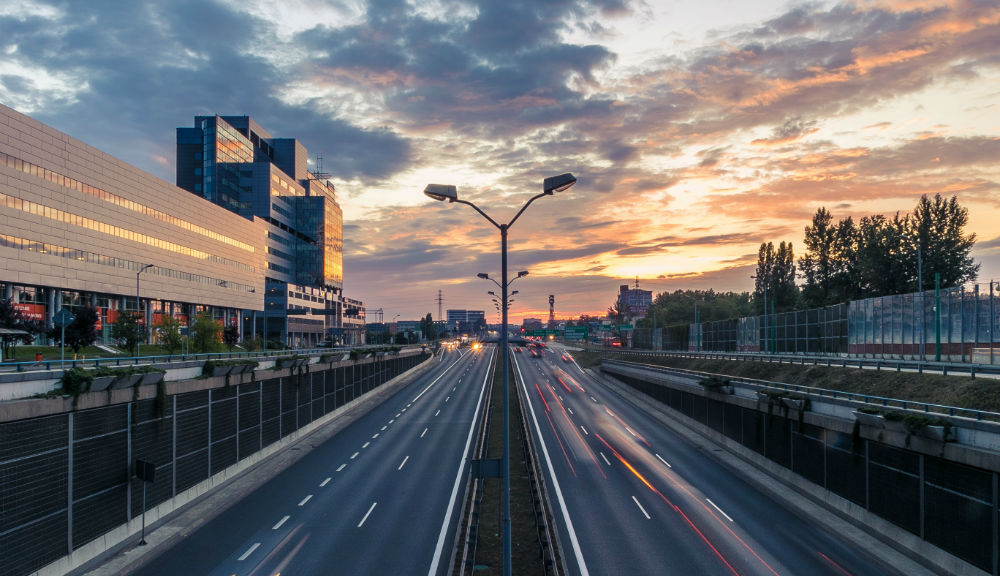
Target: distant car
534 353
566 358
616 344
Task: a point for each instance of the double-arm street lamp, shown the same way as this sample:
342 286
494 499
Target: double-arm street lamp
442 192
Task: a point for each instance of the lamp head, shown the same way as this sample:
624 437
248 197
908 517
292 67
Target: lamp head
522 273
491 293
558 183
441 192
514 292
483 275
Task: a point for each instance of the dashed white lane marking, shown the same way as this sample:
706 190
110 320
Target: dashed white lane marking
383 428
306 499
360 524
249 552
719 509
324 482
448 398
403 410
366 444
397 415
280 523
641 509
375 436
570 410
664 461
401 464
606 461
584 430
391 421
594 399
355 455
438 412
342 466
424 432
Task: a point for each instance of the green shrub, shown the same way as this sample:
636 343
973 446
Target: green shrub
76 381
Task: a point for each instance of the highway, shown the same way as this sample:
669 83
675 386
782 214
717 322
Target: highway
632 497
377 498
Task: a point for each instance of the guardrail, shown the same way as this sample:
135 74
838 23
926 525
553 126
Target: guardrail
57 364
809 391
919 366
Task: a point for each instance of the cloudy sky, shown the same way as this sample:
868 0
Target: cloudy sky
697 128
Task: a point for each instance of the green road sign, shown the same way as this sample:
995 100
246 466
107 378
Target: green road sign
576 330
624 326
606 326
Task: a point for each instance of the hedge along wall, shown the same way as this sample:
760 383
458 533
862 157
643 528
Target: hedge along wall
67 479
951 505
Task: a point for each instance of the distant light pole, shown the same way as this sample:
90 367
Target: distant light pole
441 193
767 344
138 309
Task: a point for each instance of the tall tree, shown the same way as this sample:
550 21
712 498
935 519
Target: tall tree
817 264
776 271
81 332
205 333
938 231
127 330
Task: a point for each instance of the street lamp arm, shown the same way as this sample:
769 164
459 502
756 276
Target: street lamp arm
484 214
525 207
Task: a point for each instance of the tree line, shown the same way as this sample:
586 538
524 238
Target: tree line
843 261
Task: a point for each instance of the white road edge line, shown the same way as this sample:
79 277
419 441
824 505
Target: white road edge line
719 509
445 523
306 499
401 464
641 509
249 552
367 514
280 523
664 461
325 482
574 542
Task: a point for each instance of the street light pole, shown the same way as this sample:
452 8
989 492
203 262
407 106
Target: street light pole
550 186
138 308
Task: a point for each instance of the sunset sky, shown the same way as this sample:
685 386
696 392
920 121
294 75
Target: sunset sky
697 129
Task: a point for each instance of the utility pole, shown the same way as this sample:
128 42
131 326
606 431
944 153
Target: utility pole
440 300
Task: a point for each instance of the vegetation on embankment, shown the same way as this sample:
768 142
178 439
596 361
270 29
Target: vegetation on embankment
960 391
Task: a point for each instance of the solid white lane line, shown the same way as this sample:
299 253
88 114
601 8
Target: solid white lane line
365 445
249 552
355 455
325 482
360 524
584 430
401 464
606 461
383 428
573 540
664 461
446 522
306 499
641 509
719 509
280 523
438 412
375 436
342 466
424 432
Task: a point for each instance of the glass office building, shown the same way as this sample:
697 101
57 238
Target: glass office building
233 162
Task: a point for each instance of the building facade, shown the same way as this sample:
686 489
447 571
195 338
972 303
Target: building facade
635 300
233 162
80 228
